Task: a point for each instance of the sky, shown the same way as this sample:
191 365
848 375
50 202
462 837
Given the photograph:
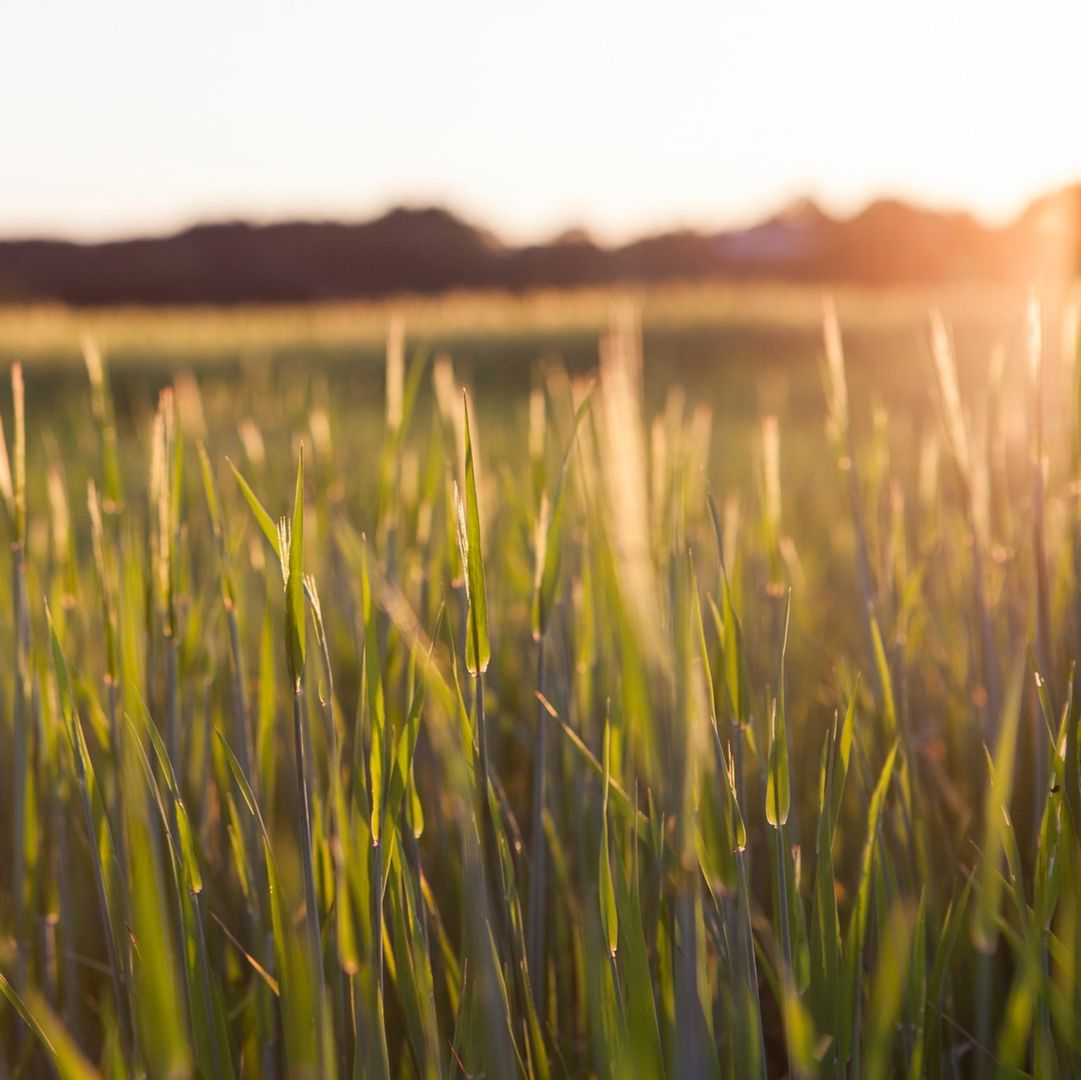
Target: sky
617 116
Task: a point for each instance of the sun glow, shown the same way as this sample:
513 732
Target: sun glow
614 116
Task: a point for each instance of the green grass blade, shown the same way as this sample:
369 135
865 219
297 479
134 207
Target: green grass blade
478 647
262 518
609 912
66 1057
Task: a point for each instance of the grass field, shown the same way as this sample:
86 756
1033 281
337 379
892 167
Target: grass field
692 695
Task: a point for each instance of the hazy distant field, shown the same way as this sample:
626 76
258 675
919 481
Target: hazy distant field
697 323
743 349
637 727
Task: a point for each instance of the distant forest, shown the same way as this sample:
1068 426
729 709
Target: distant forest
429 250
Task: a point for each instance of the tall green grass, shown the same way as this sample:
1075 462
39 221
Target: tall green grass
485 737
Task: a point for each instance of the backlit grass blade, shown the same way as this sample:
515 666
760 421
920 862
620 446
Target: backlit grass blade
101 848
208 1025
287 540
852 991
163 1029
953 925
101 404
885 679
547 561
609 912
414 979
262 518
888 993
377 758
478 648
997 829
7 484
550 544
293 566
241 710
1071 767
645 1054
778 783
297 1001
825 924
378 763
402 781
65 1056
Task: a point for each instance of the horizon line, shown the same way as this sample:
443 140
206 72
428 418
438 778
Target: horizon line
514 238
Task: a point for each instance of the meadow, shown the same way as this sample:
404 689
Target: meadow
674 683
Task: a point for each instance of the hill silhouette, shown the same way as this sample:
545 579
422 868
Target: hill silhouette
430 250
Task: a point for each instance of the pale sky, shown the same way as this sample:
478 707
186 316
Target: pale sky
529 118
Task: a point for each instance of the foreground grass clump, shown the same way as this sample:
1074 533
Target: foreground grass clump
428 741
